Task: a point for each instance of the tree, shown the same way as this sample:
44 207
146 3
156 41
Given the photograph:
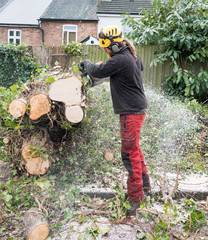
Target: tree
180 29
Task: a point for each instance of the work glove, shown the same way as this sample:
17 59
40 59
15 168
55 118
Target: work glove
81 67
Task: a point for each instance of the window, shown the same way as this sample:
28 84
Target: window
69 33
14 36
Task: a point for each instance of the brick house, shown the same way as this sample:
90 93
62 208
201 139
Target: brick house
52 22
56 22
18 21
73 22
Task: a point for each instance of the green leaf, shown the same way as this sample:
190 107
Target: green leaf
187 91
104 230
50 79
76 69
8 198
68 214
175 68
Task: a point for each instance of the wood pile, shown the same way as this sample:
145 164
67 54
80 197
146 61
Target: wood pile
58 100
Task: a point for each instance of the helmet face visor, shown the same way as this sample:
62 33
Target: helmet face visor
104 42
102 35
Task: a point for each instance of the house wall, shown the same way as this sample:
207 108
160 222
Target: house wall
30 36
53 31
108 19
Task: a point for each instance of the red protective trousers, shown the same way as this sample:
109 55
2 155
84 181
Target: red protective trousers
132 157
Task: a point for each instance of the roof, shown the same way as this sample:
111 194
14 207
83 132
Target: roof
71 10
3 3
90 40
123 6
22 12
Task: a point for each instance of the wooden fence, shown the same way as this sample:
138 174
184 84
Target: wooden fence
153 76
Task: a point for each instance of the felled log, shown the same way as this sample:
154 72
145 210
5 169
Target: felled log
74 114
36 225
39 105
52 103
35 164
69 92
17 107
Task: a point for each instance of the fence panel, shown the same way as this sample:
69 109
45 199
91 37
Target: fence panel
153 76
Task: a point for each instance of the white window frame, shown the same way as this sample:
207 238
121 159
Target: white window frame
14 37
73 29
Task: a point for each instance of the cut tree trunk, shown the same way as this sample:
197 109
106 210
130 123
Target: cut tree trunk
69 92
53 104
39 105
17 107
36 225
74 114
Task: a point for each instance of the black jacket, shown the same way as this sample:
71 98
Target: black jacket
125 81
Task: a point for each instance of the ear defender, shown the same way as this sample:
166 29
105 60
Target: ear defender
114 47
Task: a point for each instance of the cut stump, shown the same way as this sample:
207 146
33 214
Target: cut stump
36 225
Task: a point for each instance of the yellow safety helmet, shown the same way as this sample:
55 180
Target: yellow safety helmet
109 35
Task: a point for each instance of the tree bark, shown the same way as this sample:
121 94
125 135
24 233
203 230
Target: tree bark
36 225
5 171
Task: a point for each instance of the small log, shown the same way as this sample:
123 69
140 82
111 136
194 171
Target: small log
74 114
109 156
36 225
38 138
27 155
67 90
37 166
17 107
39 105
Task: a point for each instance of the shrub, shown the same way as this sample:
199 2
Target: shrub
17 64
73 48
180 27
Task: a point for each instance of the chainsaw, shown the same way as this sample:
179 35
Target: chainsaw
91 80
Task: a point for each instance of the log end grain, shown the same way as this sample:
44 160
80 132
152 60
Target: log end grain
39 105
26 152
74 114
37 166
67 90
109 156
36 225
40 232
17 108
